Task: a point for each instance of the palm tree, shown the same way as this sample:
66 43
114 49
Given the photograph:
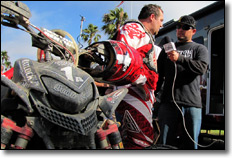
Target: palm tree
113 21
89 34
4 56
5 60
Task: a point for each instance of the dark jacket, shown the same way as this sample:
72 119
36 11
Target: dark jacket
191 64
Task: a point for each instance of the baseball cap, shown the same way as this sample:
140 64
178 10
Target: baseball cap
189 20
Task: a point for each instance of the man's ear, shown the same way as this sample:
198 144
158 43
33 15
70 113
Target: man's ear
194 31
152 16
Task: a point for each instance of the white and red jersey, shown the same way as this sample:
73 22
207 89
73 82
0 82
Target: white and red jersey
137 112
134 35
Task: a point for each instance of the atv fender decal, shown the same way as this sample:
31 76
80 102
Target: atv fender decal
68 73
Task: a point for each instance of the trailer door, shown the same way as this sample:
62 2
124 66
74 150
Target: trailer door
216 74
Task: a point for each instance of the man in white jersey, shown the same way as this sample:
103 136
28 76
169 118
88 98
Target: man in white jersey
135 111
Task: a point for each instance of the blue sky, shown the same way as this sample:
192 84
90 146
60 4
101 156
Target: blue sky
65 15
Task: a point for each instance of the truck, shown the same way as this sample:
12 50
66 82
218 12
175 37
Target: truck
210 26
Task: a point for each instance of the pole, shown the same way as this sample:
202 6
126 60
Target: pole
82 20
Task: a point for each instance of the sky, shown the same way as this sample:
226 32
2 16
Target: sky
66 15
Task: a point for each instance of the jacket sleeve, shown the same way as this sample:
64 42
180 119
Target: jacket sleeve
198 64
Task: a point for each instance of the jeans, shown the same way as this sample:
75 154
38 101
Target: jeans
171 125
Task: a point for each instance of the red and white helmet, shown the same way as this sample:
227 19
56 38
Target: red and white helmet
112 61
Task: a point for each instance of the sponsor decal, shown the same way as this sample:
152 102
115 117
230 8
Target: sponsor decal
186 53
133 31
67 92
58 38
130 123
112 98
29 73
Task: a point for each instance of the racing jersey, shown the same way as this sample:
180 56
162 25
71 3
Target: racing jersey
135 111
134 34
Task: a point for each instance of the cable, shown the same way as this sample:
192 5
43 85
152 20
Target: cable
54 42
203 146
80 45
74 43
27 31
60 51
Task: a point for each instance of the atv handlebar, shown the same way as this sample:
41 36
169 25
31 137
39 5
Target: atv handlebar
17 13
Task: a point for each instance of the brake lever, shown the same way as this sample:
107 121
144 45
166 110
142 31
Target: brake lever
12 21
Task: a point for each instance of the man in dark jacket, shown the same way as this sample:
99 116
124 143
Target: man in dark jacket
188 63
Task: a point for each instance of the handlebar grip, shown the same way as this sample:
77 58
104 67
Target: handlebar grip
15 8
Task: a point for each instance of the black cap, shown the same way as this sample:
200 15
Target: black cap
189 20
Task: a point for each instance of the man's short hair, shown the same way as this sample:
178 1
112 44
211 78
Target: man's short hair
149 9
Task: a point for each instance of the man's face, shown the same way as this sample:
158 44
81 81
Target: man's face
185 32
157 23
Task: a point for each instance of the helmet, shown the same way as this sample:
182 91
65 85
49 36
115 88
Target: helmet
112 61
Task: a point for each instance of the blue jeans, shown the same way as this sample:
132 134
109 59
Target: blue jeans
171 125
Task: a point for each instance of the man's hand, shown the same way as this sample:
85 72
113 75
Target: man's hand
173 56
